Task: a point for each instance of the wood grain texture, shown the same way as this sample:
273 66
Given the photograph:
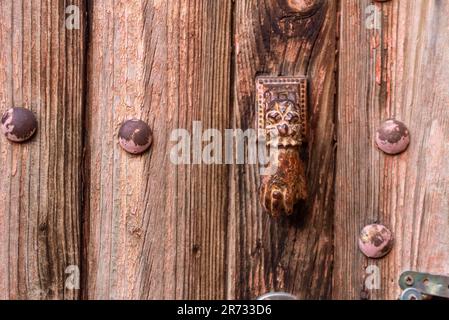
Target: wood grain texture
155 230
293 255
142 227
41 69
400 71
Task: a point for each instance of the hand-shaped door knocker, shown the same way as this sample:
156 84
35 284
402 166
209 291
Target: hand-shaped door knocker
282 124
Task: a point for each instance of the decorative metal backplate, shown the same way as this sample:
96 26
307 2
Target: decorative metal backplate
282 110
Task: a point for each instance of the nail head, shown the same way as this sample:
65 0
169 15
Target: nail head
18 124
376 241
135 136
393 137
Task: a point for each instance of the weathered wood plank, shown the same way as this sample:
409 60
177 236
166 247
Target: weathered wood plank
400 71
155 229
41 69
293 255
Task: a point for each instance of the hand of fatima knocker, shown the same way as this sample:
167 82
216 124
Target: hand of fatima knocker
282 123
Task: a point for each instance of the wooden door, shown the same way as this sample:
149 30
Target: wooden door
82 219
397 70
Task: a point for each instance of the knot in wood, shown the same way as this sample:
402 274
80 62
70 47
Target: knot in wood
303 8
298 18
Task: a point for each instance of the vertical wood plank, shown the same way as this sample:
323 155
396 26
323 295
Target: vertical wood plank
156 230
294 254
41 69
400 71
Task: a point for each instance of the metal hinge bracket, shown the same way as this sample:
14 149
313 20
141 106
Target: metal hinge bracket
421 286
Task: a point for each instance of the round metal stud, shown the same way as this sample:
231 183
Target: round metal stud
135 136
18 124
376 241
277 296
393 137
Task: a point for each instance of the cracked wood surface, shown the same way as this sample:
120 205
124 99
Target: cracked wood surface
155 229
400 71
41 68
293 254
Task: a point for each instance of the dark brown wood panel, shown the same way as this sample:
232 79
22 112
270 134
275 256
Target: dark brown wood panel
155 229
41 69
396 69
289 38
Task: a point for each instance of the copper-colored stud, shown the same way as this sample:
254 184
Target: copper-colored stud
393 137
135 136
18 124
376 241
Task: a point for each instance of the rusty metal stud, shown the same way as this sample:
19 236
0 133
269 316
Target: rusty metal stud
135 136
277 296
393 137
18 124
376 241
